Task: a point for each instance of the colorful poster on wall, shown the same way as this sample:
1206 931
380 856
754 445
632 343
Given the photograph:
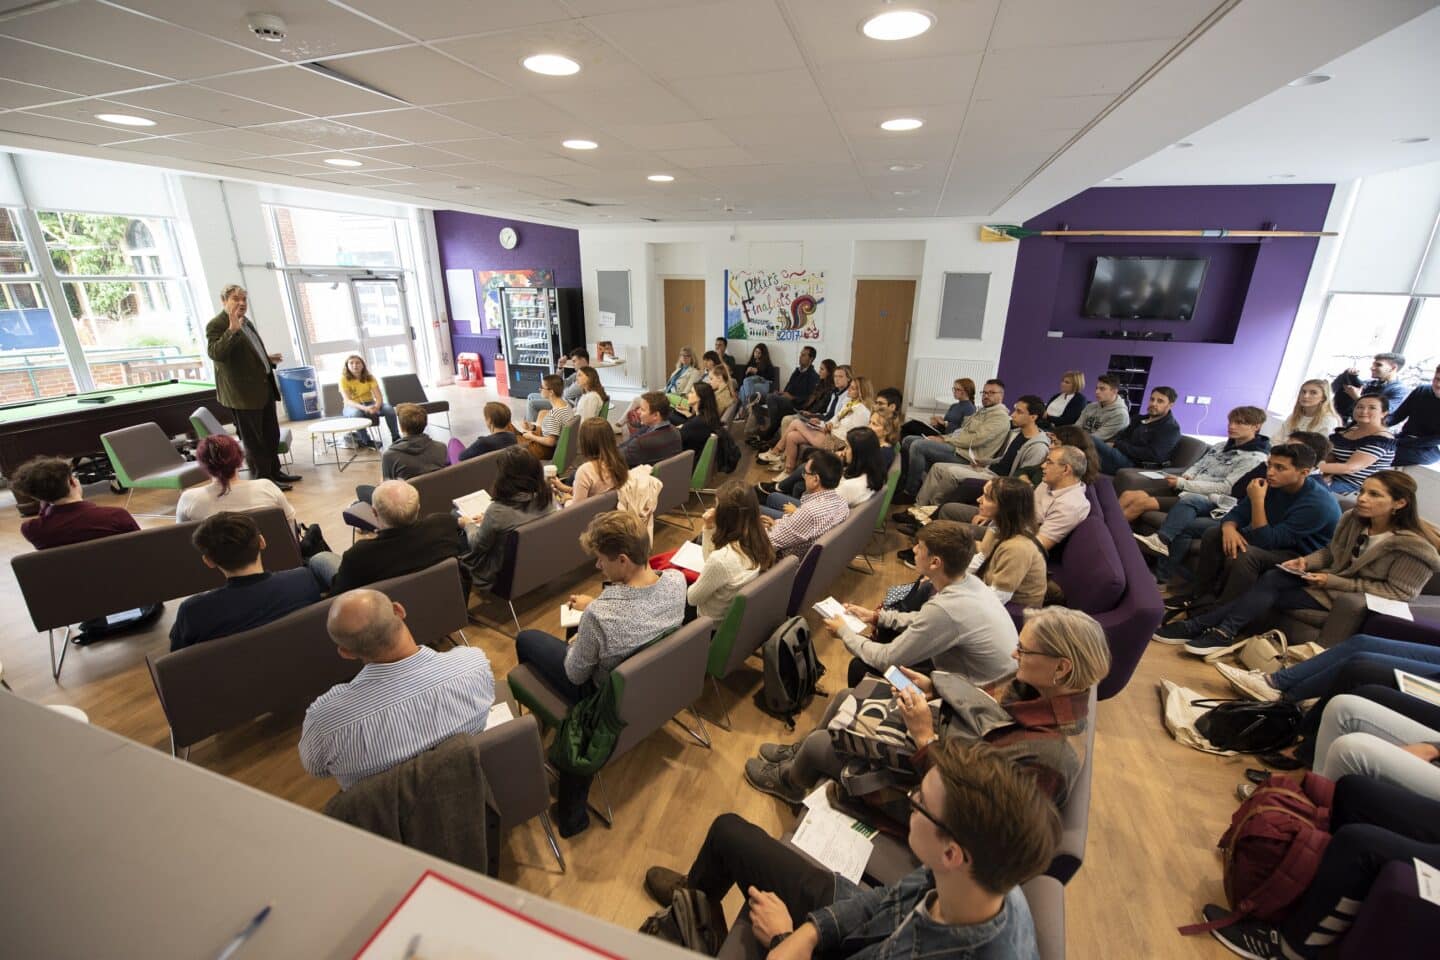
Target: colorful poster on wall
492 280
773 304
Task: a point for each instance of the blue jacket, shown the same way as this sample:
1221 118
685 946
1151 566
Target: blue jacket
1303 521
1149 443
882 924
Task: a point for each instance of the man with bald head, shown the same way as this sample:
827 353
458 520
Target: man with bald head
406 542
405 700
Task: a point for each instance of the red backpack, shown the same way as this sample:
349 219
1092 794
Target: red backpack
1273 848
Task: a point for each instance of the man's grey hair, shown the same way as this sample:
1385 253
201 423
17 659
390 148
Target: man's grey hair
396 503
228 289
363 622
1074 458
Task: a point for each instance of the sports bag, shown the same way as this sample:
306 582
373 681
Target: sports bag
1248 727
1273 848
587 735
792 671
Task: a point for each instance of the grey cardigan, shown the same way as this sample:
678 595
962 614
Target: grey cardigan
1397 568
486 541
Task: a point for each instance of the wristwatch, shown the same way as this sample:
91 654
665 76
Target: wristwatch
778 939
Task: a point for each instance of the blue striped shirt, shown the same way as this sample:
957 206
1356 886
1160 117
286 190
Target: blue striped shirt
391 712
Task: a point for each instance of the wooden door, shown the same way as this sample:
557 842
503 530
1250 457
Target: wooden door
880 345
684 320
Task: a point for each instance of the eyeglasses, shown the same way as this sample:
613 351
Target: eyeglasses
914 799
1021 651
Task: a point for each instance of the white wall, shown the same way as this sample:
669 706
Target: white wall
845 251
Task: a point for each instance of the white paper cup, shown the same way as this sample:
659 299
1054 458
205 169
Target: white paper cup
551 471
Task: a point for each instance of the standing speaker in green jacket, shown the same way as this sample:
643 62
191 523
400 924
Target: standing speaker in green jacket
245 382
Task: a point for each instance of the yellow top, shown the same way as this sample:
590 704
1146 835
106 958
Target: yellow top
357 391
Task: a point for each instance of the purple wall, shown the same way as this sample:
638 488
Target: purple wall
1248 301
469 241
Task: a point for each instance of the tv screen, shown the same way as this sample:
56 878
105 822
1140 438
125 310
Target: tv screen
1145 288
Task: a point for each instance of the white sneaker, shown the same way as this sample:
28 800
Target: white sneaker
769 457
1249 683
1153 543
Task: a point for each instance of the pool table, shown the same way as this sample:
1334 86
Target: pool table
70 426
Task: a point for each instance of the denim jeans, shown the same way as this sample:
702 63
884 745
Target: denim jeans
1275 590
1360 736
1187 521
386 411
324 565
753 386
1112 461
546 654
535 404
1312 678
922 454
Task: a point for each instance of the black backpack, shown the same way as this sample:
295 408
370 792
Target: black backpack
1248 727
792 671
727 452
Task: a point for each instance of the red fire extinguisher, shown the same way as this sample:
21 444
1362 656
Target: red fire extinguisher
469 372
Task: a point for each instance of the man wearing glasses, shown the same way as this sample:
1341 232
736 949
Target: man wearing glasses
979 825
821 508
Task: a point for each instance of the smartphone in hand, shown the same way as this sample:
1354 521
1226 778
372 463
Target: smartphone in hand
898 680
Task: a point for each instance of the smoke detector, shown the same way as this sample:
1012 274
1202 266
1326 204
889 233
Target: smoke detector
267 26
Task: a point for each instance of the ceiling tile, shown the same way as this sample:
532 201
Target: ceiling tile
1041 112
709 157
41 126
673 136
166 147
514 117
417 126
916 147
140 42
300 90
14 95
325 133
942 120
541 166
244 141
641 99
1066 71
292 166
1054 23
31 64
314 29
738 95
165 124
410 155
352 179
801 129
500 56
434 19
419 76
594 8
901 83
829 30
188 100
724 38
491 149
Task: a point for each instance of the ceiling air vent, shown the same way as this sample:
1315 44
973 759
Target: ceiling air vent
331 73
592 203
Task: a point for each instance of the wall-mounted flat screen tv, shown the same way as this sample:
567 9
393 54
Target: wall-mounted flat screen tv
1145 288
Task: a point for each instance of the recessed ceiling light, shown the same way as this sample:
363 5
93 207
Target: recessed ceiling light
903 193
897 24
580 144
342 162
660 178
1413 140
900 124
1183 145
1113 179
1282 176
901 209
1309 80
125 119
904 167
551 64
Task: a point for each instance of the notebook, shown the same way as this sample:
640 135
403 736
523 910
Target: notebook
473 504
830 608
690 556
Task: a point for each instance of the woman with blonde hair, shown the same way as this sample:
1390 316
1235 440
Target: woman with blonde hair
724 387
362 398
1065 407
686 372
853 411
603 470
886 426
736 547
593 398
1313 412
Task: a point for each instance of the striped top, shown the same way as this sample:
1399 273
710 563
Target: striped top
554 420
391 712
1381 447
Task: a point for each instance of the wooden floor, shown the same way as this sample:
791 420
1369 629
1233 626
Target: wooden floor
1158 807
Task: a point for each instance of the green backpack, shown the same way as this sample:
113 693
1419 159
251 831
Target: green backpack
589 732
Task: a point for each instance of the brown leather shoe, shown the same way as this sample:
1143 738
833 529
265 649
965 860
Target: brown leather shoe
661 884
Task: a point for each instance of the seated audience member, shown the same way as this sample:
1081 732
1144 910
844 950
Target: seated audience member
1381 547
1060 655
1361 736
981 436
636 606
405 700
1060 500
759 376
603 468
736 549
536 403
360 391
540 438
1314 677
66 517
231 543
502 432
821 507
887 428
1066 406
1108 414
799 387
221 458
1283 515
1384 382
699 420
963 392
776 412
962 628
863 476
1312 414
1020 454
719 380
654 439
1074 436
685 375
1362 450
1371 824
1419 439
415 454
1010 560
520 495
592 397
1211 477
888 400
404 543
1147 442
722 350
978 826
853 411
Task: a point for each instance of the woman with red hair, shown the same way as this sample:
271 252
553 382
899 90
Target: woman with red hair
221 457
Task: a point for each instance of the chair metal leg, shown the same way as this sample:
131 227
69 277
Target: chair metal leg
550 838
701 737
57 665
724 722
183 754
607 816
514 616
463 639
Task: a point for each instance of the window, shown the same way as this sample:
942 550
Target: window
1356 326
32 358
328 238
1422 348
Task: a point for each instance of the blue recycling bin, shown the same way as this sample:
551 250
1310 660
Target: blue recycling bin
299 392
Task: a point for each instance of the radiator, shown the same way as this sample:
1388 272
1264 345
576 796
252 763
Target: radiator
931 386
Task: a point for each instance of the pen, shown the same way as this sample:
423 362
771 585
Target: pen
245 934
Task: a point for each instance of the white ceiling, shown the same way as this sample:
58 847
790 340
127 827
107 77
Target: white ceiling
760 109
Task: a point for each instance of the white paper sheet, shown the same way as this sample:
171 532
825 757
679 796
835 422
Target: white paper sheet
840 842
1394 608
499 713
1427 690
690 556
607 318
464 299
830 608
1152 474
473 504
569 616
1427 878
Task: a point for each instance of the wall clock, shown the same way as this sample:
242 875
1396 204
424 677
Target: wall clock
509 238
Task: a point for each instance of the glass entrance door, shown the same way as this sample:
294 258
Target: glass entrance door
340 314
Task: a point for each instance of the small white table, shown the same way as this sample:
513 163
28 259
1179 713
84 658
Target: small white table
327 433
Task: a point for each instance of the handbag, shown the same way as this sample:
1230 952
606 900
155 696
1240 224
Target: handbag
1249 727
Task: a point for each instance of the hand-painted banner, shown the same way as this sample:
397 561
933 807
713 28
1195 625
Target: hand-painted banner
773 304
